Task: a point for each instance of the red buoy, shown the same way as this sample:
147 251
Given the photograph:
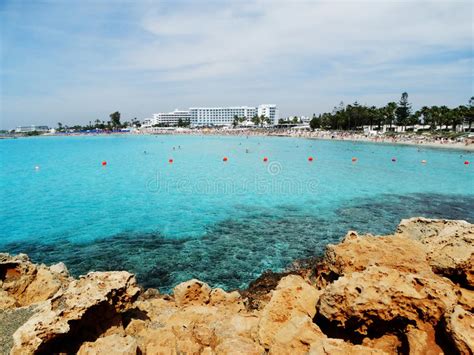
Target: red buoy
265 159
354 159
170 161
310 159
104 163
466 162
394 159
224 159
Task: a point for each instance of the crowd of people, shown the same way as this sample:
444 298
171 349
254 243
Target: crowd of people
466 142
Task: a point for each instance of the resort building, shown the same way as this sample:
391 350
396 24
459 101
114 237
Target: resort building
171 118
219 116
269 111
32 128
213 116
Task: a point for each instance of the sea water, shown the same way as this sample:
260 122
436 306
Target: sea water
201 217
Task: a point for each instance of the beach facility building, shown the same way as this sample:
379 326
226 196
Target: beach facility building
32 128
214 116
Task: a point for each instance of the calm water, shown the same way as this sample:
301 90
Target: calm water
221 222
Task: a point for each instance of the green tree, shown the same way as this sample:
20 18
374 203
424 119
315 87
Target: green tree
390 113
403 111
444 116
60 126
456 116
115 119
427 115
315 122
255 120
136 122
469 114
235 122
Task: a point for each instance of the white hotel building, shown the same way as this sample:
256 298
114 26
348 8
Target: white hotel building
215 116
171 118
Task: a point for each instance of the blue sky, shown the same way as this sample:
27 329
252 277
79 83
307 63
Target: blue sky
78 61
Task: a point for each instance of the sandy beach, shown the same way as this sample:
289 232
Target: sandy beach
402 139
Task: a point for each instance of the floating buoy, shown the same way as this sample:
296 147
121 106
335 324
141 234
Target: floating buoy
466 162
265 159
170 161
354 159
37 167
224 159
310 159
104 163
423 161
394 159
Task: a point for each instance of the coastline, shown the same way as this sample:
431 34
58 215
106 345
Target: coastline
363 297
406 140
455 146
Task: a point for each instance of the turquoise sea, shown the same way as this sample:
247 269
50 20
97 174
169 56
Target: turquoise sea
222 222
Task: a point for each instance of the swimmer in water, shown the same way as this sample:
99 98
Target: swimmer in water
246 150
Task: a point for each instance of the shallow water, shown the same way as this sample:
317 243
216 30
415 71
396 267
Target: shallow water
221 222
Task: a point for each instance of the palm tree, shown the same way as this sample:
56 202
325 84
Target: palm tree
456 116
428 117
390 109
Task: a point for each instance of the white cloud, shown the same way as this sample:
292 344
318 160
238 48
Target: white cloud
200 44
305 56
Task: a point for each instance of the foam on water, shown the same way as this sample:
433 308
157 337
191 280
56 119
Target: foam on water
223 223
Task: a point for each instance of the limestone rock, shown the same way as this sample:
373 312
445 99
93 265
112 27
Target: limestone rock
380 294
388 343
192 292
59 268
7 301
293 298
380 291
295 335
238 346
466 299
339 347
356 253
449 245
460 327
218 297
422 341
26 282
157 341
258 293
112 344
79 313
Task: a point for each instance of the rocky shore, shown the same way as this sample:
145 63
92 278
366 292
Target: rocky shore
411 292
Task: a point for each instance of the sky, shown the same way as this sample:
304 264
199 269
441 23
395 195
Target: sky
78 61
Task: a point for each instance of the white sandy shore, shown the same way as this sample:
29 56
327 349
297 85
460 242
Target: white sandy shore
402 139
